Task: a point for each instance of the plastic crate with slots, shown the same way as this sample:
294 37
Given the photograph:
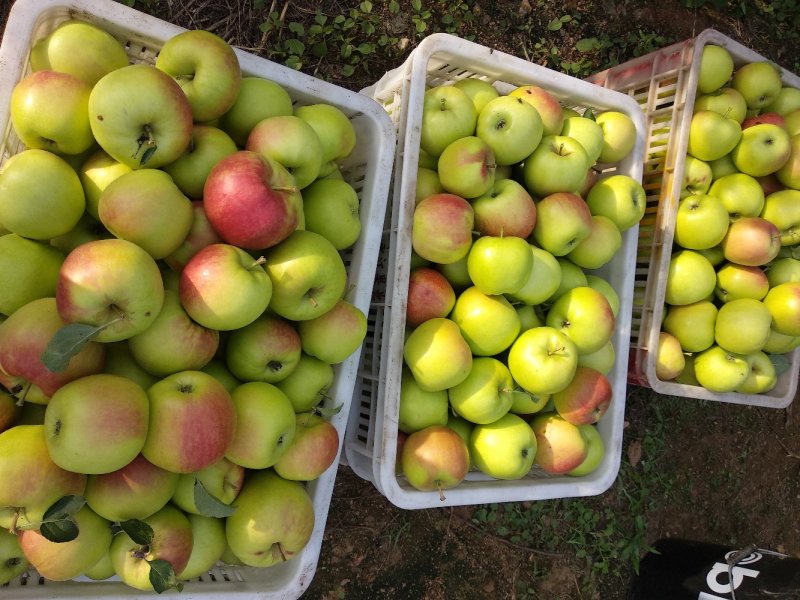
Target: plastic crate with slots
371 439
664 83
366 170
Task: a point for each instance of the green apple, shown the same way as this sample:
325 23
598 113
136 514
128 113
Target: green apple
430 295
543 360
427 184
742 326
759 82
273 521
448 113
334 130
697 176
762 377
28 271
506 210
258 99
601 360
712 135
48 111
499 265
331 208
435 459
265 425
572 276
741 194
466 167
690 278
588 133
87 229
600 247
12 561
619 136
313 450
687 376
511 127
268 349
334 335
701 222
558 164
603 286
437 354
736 281
563 221
207 146
223 480
488 323
529 316
441 230
542 281
561 447
503 449
787 100
545 103
789 173
595 454
456 272
720 371
716 68
102 569
762 149
119 361
777 343
783 302
292 142
722 166
783 270
208 544
95 173
619 197
206 68
584 315
782 209
480 91
726 101
693 324
751 241
40 195
308 384
670 360
486 394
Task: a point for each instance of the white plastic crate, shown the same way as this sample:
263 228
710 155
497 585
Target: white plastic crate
371 439
366 170
664 83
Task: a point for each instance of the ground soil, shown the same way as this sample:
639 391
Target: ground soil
734 471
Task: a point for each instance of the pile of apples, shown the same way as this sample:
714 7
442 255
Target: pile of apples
508 325
172 291
733 286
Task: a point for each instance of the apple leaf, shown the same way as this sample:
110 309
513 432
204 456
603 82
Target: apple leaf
208 504
780 362
139 531
328 412
162 576
589 114
66 343
58 523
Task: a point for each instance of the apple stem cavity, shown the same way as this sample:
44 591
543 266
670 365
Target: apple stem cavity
146 141
140 552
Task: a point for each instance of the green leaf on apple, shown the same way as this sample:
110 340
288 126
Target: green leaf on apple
66 343
208 504
58 523
139 531
162 576
328 412
780 362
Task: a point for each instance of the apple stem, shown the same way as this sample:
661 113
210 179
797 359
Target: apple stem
280 549
311 298
291 189
147 141
441 491
258 262
13 529
23 393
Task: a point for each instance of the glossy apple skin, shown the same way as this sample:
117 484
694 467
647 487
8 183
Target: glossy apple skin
560 445
430 295
751 241
442 228
312 451
586 399
435 458
437 354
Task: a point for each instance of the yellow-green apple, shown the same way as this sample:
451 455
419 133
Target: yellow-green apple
208 544
96 424
113 284
10 411
792 120
207 146
437 354
690 278
585 399
525 403
619 136
741 194
28 271
488 322
762 377
265 425
543 279
23 338
782 209
789 173
95 173
782 270
442 226
543 360
33 482
499 264
701 222
758 81
308 383
430 295
60 561
777 343
331 209
787 100
268 349
427 184
563 221
419 408
273 521
140 116
466 167
136 491
486 394
560 445
172 542
595 454
12 561
716 68
740 281
511 127
251 201
783 302
603 286
600 247
572 276
558 164
751 241
206 68
312 451
742 325
48 111
712 135
601 360
619 197
456 272
588 133
480 91
506 210
545 103
201 234
720 371
217 368
697 176
86 229
40 195
726 101
585 316
308 276
714 255
762 149
192 422
223 480
503 449
290 141
722 166
258 99
334 335
693 324
119 361
435 459
334 129
82 49
448 114
670 359
174 342
102 569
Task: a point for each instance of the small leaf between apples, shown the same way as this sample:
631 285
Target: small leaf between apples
63 530
162 576
329 412
780 362
208 504
66 343
589 114
139 531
